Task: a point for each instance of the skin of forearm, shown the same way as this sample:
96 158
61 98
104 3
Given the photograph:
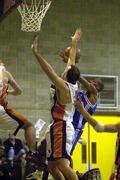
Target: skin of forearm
71 60
96 125
110 128
107 128
89 118
84 82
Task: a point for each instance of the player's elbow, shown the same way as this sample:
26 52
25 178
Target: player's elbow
18 92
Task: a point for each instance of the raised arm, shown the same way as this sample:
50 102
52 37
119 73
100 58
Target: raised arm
75 39
72 54
112 127
16 90
89 86
79 105
59 83
95 124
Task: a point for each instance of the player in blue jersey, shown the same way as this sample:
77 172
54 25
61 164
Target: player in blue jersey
89 99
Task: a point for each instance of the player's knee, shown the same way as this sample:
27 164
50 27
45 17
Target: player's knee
28 125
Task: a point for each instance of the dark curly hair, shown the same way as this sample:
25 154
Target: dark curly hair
73 74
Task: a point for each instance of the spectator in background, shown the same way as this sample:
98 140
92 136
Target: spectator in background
17 145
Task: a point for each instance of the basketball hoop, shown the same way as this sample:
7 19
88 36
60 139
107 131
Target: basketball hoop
33 14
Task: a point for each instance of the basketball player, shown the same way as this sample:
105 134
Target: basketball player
9 117
89 98
61 131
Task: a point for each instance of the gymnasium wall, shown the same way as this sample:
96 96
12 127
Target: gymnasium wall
100 44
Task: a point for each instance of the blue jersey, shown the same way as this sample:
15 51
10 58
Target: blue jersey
78 119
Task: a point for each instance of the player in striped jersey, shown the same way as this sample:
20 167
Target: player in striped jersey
89 99
60 133
78 120
10 119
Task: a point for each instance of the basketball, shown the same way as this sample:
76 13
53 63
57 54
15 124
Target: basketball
65 55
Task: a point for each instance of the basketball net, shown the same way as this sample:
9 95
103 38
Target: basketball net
33 14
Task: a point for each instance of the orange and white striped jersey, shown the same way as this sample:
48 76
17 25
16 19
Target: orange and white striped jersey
10 119
64 112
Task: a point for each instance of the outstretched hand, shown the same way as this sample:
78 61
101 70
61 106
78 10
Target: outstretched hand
77 36
34 43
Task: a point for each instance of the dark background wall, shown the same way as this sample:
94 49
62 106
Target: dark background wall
100 48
